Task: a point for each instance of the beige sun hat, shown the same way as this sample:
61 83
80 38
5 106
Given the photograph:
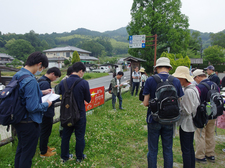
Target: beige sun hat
142 70
163 61
183 72
198 72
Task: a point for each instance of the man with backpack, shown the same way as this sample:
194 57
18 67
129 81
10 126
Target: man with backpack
157 118
28 129
116 90
81 93
212 75
204 138
47 120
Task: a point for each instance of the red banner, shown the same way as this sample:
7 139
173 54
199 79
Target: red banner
97 98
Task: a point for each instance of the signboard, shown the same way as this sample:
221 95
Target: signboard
137 41
97 98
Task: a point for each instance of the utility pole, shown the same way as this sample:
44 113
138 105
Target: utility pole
155 44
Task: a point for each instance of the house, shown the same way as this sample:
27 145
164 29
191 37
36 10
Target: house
57 55
5 58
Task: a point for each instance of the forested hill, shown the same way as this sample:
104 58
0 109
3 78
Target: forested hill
108 43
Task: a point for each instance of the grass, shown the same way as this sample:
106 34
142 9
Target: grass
113 139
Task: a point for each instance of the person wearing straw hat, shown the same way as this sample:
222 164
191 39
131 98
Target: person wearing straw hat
204 138
155 129
188 105
143 79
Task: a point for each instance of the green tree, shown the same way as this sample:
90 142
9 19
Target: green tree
66 62
20 49
161 17
195 42
15 63
177 60
76 57
218 39
214 54
93 46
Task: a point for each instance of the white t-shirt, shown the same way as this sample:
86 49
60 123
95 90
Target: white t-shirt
136 74
118 84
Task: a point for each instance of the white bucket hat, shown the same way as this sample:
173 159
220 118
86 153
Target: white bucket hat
183 72
198 72
163 61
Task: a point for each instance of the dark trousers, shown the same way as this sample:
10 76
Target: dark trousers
46 129
135 85
79 128
114 100
187 148
28 134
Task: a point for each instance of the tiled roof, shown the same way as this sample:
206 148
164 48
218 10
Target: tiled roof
3 55
67 48
88 58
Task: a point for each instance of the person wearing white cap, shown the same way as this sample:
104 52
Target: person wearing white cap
155 129
204 138
143 80
189 104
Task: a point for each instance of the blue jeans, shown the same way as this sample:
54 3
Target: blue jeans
135 85
79 128
187 148
114 100
28 134
166 132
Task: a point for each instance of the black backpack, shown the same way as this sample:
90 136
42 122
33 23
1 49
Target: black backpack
69 112
165 107
201 118
12 111
110 87
214 102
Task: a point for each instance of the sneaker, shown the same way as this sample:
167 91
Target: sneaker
201 160
223 150
70 158
47 154
51 149
122 108
211 158
84 157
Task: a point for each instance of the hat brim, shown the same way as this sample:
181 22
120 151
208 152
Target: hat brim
184 76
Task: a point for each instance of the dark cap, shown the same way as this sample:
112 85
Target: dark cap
210 67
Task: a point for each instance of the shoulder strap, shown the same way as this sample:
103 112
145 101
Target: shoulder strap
170 78
22 77
157 78
206 85
65 85
76 82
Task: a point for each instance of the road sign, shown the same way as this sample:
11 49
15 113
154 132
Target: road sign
137 41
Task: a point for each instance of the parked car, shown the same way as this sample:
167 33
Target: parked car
102 69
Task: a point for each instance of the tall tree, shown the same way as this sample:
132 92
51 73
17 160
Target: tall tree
214 54
218 39
76 57
161 17
195 42
20 49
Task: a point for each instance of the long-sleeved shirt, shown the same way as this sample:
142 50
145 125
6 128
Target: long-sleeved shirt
189 104
81 92
31 96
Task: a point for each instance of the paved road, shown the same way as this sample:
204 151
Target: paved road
105 81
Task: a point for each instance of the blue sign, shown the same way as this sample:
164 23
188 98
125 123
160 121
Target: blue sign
137 41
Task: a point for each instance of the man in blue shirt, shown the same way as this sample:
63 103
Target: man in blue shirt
28 129
154 128
81 94
47 120
204 138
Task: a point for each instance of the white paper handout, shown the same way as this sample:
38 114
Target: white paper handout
51 97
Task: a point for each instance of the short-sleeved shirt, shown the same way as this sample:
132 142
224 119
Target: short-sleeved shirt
150 88
136 74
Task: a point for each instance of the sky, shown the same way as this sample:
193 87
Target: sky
48 16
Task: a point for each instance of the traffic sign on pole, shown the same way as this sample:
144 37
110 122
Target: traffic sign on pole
137 41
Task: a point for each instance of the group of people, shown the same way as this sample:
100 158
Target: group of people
190 96
38 121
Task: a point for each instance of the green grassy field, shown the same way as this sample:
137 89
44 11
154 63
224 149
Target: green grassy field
114 139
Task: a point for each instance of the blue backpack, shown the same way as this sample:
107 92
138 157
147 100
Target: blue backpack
12 111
